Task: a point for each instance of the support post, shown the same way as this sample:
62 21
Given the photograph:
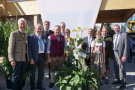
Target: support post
36 19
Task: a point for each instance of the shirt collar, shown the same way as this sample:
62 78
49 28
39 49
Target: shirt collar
62 31
104 36
118 33
21 31
46 30
89 36
38 35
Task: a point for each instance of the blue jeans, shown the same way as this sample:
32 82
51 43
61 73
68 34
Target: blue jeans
18 74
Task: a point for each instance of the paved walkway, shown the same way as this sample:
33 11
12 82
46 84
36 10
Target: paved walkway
130 67
130 75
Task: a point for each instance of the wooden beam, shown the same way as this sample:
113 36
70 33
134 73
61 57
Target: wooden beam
117 4
0 12
3 7
0 9
23 8
128 14
113 14
36 19
109 20
20 1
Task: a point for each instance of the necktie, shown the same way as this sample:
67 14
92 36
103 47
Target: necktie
116 39
58 38
40 44
23 34
89 41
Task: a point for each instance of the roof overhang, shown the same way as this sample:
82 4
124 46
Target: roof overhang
115 11
109 16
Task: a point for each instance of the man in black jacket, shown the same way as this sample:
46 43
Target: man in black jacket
47 32
108 50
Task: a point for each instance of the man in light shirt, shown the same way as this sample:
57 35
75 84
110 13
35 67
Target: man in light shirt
62 26
120 48
56 52
37 50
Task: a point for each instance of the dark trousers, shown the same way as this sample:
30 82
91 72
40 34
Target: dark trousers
40 63
49 70
18 74
88 61
130 55
119 68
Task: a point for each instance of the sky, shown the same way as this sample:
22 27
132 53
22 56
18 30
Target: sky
75 13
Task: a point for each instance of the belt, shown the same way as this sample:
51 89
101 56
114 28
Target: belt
41 53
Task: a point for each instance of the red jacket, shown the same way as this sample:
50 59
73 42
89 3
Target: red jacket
57 48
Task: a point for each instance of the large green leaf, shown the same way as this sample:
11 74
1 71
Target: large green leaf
76 79
63 81
79 41
71 82
79 87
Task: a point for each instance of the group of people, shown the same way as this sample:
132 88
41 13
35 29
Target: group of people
104 48
35 49
100 49
51 45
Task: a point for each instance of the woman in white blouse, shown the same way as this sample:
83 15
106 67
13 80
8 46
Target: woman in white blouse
69 41
67 36
98 54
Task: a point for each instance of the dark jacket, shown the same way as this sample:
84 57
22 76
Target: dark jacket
34 47
109 47
85 45
47 33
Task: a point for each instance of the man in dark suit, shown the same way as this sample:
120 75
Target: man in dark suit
108 52
120 48
37 49
47 32
17 53
88 41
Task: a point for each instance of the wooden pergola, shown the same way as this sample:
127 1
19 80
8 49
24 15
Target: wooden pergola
110 11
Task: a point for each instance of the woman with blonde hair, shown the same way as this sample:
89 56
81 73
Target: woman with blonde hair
98 54
67 37
69 41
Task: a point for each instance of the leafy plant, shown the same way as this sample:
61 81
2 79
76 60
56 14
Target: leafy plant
77 76
6 28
